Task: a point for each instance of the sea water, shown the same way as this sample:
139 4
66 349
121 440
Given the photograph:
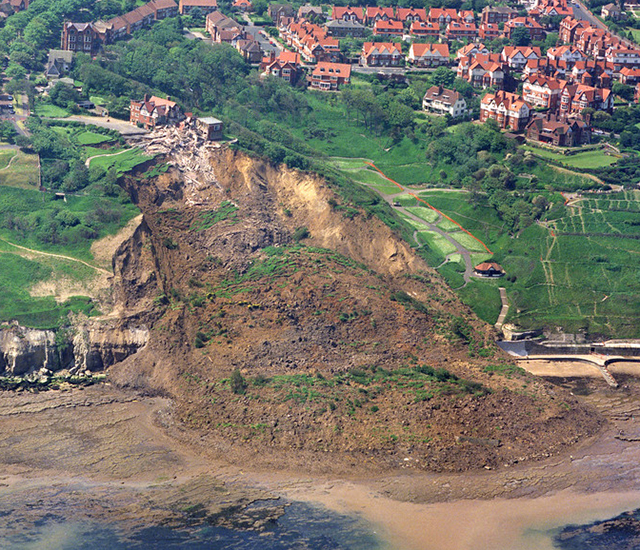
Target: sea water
302 527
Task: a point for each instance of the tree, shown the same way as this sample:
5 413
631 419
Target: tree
260 6
399 115
520 36
8 131
63 94
623 90
442 76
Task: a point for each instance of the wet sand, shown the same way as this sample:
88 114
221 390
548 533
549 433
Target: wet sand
119 455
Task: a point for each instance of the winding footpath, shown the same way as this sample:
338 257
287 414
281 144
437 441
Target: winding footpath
51 255
390 198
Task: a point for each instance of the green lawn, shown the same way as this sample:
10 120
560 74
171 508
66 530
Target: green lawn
51 111
91 138
123 161
23 171
595 158
584 278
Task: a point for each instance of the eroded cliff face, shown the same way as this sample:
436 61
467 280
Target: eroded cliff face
333 339
344 340
87 347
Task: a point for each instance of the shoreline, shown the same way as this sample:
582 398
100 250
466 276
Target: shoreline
105 443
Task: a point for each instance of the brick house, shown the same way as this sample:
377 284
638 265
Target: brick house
223 28
348 13
82 37
329 76
569 28
482 71
205 6
489 31
516 57
577 97
629 76
340 28
536 30
164 8
510 111
472 49
411 15
250 50
497 14
373 14
567 53
460 30
424 29
441 101
542 91
428 55
155 111
442 16
555 130
623 57
388 28
278 12
285 66
381 54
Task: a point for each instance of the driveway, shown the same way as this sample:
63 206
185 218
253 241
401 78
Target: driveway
121 126
267 44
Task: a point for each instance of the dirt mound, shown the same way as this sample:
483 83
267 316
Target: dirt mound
284 319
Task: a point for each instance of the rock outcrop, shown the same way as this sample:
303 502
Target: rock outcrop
88 347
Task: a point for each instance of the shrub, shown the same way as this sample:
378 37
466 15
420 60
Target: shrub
300 233
238 383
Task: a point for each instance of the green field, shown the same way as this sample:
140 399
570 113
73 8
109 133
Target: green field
91 138
5 157
51 111
595 158
23 171
584 278
16 303
121 161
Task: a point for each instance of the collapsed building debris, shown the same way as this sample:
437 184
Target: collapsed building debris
186 148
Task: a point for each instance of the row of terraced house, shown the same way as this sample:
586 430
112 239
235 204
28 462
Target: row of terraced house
90 37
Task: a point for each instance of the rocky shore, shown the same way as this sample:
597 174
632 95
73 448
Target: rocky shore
103 454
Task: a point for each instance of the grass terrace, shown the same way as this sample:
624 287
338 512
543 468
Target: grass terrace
595 158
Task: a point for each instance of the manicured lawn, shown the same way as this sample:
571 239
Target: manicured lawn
123 161
52 111
91 138
589 159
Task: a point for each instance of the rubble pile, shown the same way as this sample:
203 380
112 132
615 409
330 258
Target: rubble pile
186 149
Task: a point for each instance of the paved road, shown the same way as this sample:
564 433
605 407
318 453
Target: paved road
121 126
580 11
465 253
267 44
504 310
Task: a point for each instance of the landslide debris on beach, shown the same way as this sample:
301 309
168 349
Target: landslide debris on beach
290 325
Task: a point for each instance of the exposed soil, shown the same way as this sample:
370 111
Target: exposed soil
328 333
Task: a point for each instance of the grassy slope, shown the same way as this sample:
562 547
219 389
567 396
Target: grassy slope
20 197
587 280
